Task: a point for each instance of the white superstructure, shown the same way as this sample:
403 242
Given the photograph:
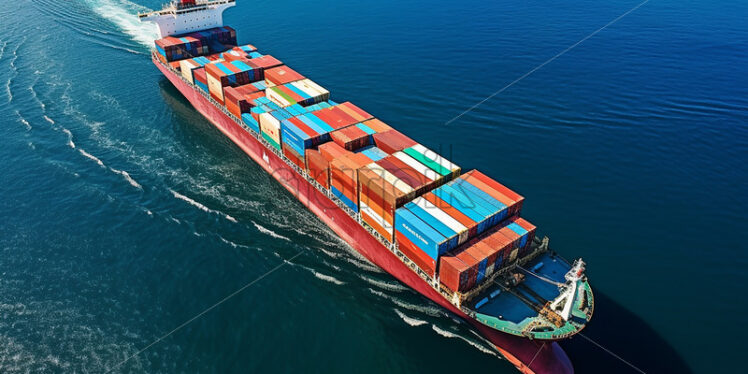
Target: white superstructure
185 16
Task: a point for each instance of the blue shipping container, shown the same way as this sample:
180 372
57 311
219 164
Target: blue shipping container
467 187
344 198
420 234
250 122
437 225
466 206
520 231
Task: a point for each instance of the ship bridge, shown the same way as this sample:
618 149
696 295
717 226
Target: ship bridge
185 16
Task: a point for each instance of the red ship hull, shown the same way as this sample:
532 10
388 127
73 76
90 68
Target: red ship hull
530 357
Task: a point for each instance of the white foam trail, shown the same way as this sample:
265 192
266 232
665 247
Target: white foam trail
123 13
2 50
384 285
449 334
50 120
23 120
15 71
229 242
8 90
324 277
201 206
409 320
124 174
328 278
272 233
92 157
128 178
70 137
434 312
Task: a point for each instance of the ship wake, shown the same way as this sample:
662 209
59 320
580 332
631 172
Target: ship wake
123 14
201 206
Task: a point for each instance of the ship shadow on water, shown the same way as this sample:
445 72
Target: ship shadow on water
628 336
192 126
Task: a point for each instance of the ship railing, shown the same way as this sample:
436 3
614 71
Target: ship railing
391 246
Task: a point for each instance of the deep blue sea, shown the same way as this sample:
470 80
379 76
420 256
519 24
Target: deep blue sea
123 213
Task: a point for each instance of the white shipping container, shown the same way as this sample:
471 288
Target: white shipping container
186 66
214 86
277 98
383 224
312 89
435 157
418 166
270 126
444 218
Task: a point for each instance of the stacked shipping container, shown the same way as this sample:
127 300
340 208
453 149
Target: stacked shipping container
465 226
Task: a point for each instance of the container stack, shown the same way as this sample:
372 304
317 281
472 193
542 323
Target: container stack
344 176
465 226
270 126
223 74
263 63
300 133
173 48
201 79
241 99
186 67
464 268
242 52
318 167
381 193
177 48
281 75
392 141
342 115
303 92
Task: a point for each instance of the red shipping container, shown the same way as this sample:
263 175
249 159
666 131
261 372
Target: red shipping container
344 177
416 180
351 138
451 270
303 127
357 113
377 188
281 75
392 141
342 118
531 229
372 195
318 168
200 75
239 99
501 244
264 62
415 254
332 150
375 221
336 118
499 187
473 263
293 155
377 125
293 95
513 250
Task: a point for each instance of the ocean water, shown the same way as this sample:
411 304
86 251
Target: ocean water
124 213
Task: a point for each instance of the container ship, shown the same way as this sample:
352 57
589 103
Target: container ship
456 238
